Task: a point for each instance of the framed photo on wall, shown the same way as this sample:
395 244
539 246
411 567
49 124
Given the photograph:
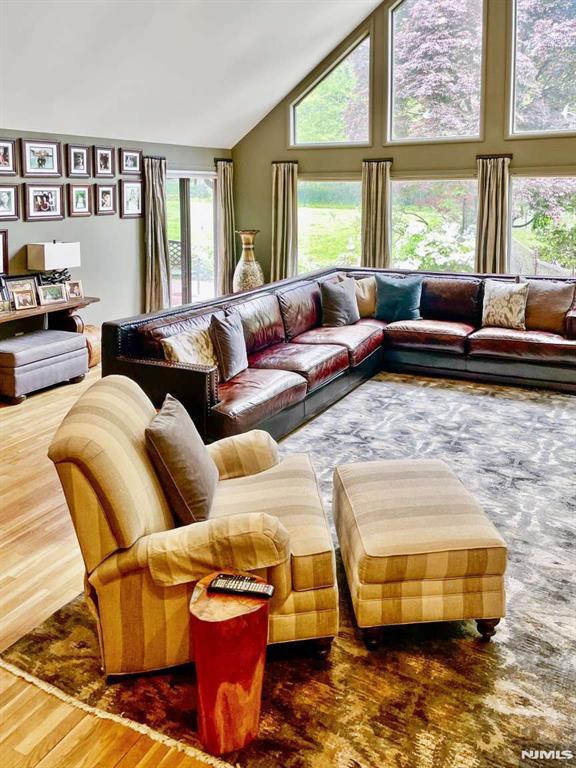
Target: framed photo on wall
8 157
4 251
130 199
9 209
78 161
105 199
41 158
130 161
79 200
104 162
43 202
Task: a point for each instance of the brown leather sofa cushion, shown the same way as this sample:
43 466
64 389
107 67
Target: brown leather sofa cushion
229 345
436 335
151 334
359 339
458 299
300 308
253 396
262 322
318 363
547 305
537 346
184 467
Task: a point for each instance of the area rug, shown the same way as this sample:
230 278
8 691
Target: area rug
433 696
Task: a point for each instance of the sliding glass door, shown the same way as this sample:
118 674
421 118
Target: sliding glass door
191 203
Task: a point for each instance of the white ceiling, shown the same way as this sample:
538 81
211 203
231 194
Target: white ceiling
194 72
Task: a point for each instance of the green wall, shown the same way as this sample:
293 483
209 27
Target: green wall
112 248
268 141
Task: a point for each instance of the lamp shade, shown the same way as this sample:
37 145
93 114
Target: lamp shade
48 256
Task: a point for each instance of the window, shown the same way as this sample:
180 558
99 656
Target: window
544 85
191 238
337 109
436 69
434 224
329 224
543 226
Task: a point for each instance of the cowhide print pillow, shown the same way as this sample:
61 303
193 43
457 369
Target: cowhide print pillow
194 346
505 305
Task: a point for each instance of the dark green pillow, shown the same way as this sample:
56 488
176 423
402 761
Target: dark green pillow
398 298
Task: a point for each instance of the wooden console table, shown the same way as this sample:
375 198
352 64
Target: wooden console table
61 316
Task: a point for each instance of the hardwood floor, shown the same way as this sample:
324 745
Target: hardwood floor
40 570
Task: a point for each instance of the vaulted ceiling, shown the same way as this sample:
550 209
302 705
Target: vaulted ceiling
194 72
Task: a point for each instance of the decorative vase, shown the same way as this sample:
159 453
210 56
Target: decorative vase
248 273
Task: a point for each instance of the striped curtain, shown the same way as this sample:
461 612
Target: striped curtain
284 221
225 226
375 213
492 225
157 292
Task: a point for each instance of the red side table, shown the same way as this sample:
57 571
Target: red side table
229 635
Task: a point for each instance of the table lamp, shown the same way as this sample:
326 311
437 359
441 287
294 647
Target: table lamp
54 260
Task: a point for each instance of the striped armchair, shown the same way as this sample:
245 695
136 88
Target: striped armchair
266 518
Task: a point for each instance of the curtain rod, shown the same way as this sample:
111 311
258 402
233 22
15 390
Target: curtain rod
489 157
287 162
222 160
154 157
378 160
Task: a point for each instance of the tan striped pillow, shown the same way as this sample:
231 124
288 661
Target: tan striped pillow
193 346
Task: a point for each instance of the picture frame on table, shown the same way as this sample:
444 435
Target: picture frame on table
78 161
74 289
43 202
9 202
14 283
8 157
24 298
4 262
5 303
105 199
104 165
79 200
130 161
52 294
131 203
41 158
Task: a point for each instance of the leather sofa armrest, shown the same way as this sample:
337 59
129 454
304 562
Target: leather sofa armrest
195 386
570 324
245 454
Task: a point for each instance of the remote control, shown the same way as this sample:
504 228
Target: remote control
228 583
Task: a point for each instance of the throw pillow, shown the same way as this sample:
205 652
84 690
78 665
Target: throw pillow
365 288
547 305
398 298
505 304
184 467
194 346
227 337
339 305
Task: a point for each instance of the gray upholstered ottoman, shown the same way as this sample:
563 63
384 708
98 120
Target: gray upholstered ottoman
40 359
416 546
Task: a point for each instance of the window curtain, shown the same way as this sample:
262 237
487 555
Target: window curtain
225 225
375 213
284 221
156 235
492 225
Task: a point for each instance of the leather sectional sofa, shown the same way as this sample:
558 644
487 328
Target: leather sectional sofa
297 367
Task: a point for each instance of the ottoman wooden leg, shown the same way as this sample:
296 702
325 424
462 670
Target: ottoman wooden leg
322 647
76 379
487 627
15 400
372 636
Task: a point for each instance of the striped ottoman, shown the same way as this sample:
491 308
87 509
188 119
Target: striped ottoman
416 547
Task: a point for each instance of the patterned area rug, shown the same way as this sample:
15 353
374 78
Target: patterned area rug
432 695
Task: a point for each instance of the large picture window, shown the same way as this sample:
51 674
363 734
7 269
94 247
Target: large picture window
543 226
434 224
544 83
191 238
337 109
436 69
329 224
